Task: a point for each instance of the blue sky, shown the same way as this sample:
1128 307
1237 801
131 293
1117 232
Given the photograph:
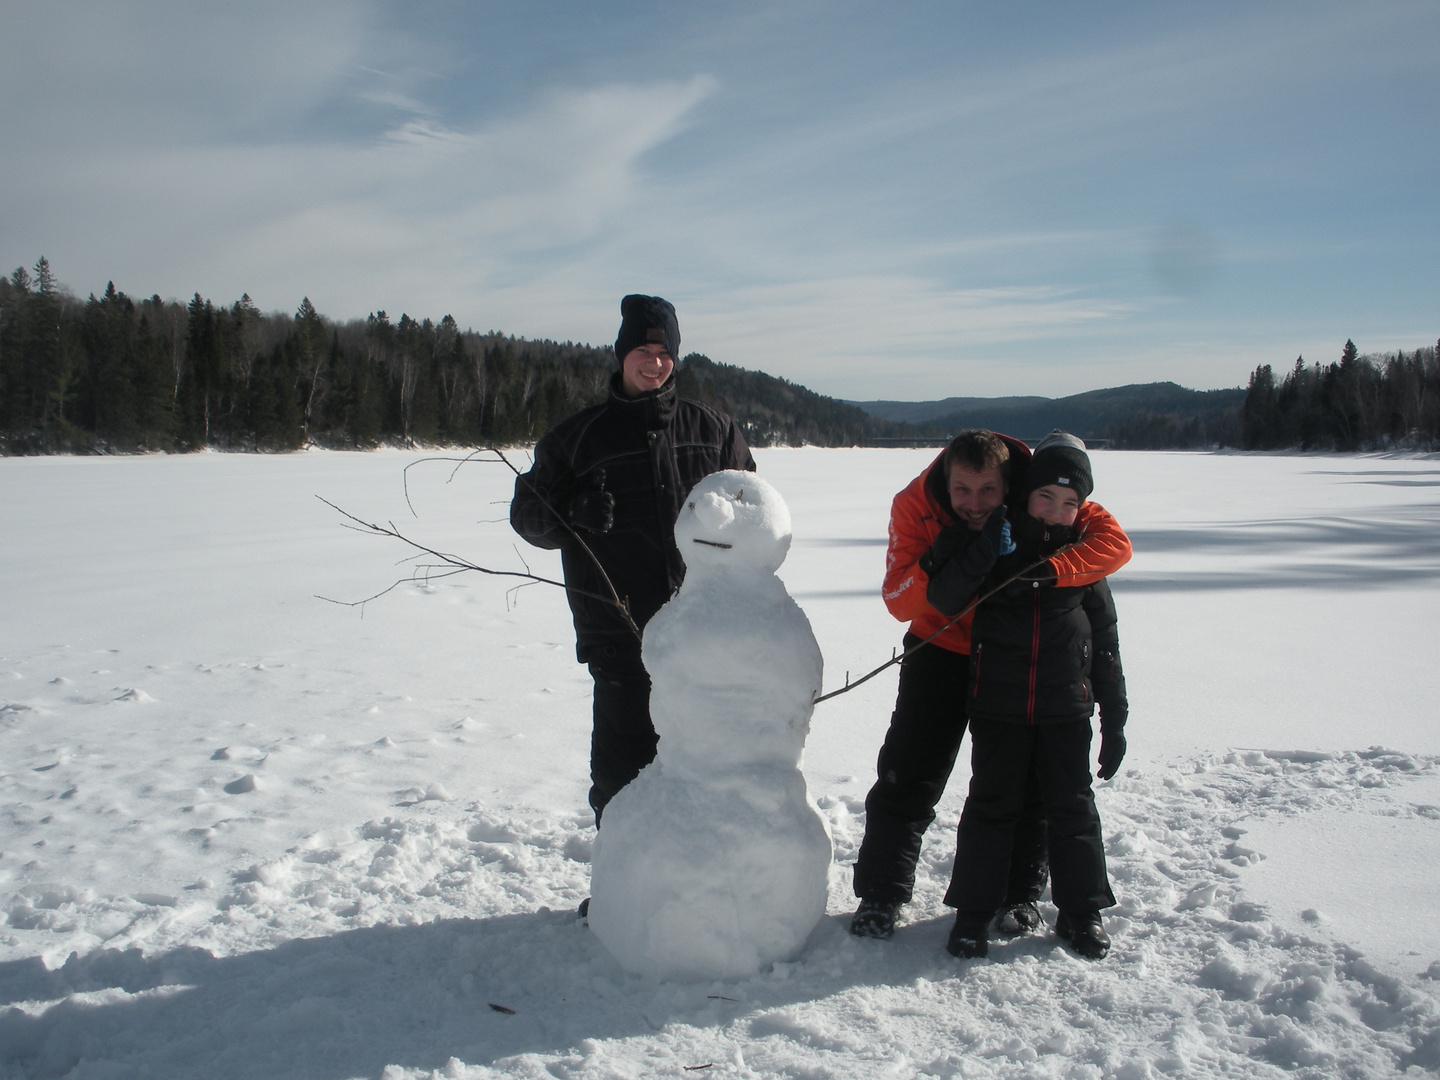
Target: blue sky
909 201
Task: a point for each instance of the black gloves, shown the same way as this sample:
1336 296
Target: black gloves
593 508
952 539
1112 744
959 559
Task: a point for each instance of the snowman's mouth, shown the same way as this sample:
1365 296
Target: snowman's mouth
712 543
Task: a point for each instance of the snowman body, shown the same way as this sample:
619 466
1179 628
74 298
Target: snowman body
713 862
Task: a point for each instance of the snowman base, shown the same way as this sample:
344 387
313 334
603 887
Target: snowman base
765 855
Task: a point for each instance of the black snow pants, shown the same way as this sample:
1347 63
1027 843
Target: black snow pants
623 740
915 764
1005 759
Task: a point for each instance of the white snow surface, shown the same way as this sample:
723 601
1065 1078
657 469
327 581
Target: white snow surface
713 863
247 833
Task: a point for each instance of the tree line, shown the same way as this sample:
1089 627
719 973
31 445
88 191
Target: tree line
115 374
1362 402
112 373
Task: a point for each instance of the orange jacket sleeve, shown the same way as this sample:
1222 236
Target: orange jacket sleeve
1102 548
914 524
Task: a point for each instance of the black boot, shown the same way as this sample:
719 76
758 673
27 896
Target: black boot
875 919
1018 918
1085 933
967 940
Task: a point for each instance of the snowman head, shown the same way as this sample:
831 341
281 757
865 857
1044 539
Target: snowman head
733 519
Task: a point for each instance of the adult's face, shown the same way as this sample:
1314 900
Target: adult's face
645 368
975 495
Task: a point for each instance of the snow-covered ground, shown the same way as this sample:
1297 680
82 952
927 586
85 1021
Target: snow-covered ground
245 832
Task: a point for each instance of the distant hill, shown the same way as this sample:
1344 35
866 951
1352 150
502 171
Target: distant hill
1139 416
920 412
775 412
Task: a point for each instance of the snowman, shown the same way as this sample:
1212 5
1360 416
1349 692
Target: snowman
713 862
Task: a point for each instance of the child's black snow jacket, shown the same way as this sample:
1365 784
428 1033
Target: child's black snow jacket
1041 654
652 450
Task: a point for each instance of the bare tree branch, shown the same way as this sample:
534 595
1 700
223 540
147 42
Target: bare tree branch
448 565
614 597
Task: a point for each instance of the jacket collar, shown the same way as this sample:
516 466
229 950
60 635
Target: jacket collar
654 409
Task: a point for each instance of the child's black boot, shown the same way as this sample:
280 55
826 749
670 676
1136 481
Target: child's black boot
968 939
1085 933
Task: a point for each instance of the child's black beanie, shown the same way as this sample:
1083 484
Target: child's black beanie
1060 458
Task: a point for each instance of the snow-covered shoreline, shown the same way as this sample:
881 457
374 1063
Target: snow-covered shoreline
414 837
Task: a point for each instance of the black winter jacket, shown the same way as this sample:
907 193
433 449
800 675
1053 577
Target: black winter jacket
1042 654
653 449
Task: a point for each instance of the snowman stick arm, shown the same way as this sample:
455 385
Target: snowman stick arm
613 597
448 564
899 657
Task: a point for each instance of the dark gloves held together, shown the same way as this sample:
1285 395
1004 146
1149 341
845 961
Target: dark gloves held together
1112 745
593 508
959 559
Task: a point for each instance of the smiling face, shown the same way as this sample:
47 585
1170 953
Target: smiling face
645 368
975 495
1053 504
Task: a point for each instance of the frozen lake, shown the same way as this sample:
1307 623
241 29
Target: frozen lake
278 837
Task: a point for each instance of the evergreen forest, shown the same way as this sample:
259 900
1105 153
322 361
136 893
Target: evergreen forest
115 374
1378 402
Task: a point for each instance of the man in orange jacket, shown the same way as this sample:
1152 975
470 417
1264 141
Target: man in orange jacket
953 510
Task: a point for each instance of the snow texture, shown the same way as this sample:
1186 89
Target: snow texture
713 863
395 896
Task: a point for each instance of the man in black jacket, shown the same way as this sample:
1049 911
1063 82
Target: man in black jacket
605 488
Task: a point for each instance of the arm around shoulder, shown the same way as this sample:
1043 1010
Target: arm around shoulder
1101 548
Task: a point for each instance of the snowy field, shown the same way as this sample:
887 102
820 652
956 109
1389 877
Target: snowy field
247 833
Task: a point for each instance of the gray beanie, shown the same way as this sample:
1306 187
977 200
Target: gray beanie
1060 458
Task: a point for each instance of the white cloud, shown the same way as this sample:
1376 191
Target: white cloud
424 215
170 70
837 217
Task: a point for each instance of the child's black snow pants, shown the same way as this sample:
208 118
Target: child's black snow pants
1005 757
914 766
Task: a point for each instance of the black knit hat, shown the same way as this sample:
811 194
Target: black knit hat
1060 458
645 320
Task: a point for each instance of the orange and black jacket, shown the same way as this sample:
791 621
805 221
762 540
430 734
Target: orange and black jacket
917 515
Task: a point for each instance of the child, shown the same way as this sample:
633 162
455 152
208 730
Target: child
1040 659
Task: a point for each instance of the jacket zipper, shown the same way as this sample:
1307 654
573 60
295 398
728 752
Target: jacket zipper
1034 662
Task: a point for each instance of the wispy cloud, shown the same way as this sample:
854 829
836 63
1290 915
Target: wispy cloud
941 200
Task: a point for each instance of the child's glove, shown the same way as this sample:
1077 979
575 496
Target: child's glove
1112 745
593 509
